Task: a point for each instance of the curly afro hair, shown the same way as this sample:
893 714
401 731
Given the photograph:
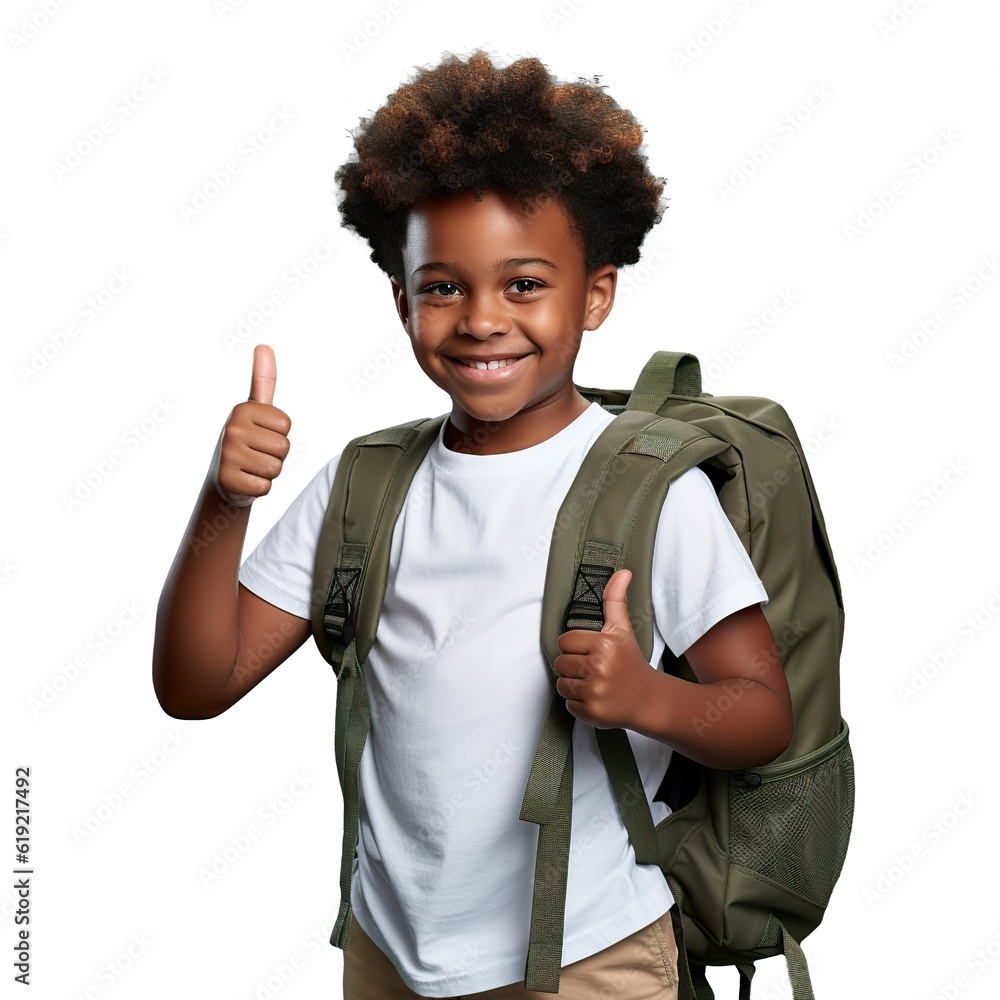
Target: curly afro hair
472 126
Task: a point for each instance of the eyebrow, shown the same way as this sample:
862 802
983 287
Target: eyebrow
498 265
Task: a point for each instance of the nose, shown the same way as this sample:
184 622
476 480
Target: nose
483 316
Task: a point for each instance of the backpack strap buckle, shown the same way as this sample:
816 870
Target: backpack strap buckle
340 610
586 609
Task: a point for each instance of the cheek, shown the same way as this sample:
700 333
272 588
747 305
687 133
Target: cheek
419 328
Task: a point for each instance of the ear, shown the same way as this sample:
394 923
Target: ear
601 286
401 303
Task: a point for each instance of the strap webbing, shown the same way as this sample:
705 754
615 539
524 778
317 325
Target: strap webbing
350 579
616 752
692 983
612 504
548 801
798 969
666 373
351 733
548 797
746 972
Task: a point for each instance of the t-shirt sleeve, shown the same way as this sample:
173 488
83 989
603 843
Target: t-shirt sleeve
280 568
701 571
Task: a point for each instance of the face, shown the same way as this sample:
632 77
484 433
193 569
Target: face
485 281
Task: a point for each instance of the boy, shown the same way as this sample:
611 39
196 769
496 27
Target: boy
500 204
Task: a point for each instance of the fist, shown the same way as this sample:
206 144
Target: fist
254 441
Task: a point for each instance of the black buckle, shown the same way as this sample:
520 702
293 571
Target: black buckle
339 613
586 610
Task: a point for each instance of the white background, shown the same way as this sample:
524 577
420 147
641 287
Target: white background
916 900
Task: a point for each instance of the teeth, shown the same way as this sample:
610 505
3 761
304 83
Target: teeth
489 365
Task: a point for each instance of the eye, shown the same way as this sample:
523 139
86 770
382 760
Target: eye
443 289
518 285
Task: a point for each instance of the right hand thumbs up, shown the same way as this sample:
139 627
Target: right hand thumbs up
254 442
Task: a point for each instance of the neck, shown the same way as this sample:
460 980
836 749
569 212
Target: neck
525 429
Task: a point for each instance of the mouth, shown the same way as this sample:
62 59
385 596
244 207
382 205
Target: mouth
495 368
493 364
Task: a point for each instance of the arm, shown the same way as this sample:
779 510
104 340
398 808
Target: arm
215 640
738 715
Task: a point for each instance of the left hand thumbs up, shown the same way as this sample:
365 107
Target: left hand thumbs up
615 605
603 675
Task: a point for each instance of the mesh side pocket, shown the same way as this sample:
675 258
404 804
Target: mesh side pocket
793 826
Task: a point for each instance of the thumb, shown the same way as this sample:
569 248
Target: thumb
264 374
615 607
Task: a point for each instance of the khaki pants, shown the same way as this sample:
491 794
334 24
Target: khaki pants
642 966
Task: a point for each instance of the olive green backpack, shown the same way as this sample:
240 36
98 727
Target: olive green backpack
750 856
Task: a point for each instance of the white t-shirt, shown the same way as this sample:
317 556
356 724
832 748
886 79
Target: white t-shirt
458 686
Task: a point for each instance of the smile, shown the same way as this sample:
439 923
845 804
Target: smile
480 370
487 365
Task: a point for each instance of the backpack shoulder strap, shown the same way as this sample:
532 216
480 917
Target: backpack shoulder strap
606 522
349 579
352 555
609 517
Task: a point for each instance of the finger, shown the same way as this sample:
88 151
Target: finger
267 416
615 606
267 441
261 465
578 640
571 665
264 374
244 486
